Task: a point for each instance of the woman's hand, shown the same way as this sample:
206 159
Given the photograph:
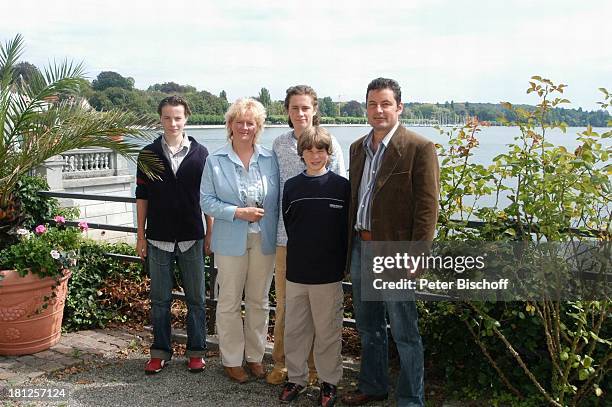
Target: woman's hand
250 214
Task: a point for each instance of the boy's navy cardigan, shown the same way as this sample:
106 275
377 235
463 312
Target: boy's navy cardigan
173 212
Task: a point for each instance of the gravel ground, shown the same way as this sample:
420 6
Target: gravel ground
121 382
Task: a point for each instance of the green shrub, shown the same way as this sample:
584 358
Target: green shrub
83 306
554 352
38 209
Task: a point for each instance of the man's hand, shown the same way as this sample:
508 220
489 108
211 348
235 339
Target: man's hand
141 248
250 214
207 242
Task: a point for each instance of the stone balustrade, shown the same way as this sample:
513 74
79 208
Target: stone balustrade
88 163
98 171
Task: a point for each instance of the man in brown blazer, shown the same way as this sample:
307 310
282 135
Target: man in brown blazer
394 177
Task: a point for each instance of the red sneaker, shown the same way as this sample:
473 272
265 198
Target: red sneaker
196 365
154 365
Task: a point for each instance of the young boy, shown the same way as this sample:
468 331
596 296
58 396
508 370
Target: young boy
315 212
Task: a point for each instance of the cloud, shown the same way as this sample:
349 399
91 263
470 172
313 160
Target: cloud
438 50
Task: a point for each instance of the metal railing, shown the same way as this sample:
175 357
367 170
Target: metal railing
211 299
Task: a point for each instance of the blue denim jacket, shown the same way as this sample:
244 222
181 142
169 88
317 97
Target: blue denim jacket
219 198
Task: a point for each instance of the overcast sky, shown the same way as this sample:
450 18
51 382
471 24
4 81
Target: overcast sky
438 50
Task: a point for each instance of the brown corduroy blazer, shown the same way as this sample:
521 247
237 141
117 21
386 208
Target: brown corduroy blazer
405 201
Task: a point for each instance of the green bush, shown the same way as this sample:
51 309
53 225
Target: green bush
83 305
542 351
38 209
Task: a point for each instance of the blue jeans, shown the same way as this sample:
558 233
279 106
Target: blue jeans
191 265
372 326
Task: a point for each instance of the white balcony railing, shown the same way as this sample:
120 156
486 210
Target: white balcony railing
88 163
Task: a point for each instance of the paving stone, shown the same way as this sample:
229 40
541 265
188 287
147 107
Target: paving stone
10 364
6 374
96 352
102 337
63 349
47 354
86 333
123 335
88 340
87 358
69 361
107 347
52 367
34 375
18 380
120 343
26 359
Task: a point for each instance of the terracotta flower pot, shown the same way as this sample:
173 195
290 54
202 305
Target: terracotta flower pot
27 327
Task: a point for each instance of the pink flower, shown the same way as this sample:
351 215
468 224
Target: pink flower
83 226
40 229
60 220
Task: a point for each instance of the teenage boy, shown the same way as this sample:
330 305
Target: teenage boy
170 229
315 212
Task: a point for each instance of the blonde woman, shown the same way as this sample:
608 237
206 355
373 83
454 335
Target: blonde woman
240 190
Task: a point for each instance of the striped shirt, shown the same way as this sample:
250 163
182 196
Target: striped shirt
371 166
175 160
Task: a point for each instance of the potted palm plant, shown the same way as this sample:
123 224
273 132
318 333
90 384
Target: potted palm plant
41 118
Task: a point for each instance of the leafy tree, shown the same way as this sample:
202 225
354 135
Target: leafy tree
327 107
110 79
277 108
223 95
352 109
206 103
264 97
172 87
25 71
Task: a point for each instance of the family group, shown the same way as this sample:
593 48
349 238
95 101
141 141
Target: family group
291 214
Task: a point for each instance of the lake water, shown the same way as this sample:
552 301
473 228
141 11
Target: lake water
493 140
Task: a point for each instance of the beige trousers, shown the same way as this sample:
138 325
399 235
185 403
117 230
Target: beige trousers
314 310
280 282
250 274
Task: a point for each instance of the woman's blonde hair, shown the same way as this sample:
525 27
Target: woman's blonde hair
240 108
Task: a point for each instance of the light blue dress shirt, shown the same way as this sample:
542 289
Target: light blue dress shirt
220 196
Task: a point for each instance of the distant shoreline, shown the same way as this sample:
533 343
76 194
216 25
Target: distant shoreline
222 126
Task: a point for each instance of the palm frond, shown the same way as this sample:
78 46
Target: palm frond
45 117
10 52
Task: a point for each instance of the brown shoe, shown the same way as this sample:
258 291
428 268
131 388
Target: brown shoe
237 374
256 369
277 376
357 398
313 378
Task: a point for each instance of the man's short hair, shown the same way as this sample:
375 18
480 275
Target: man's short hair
314 136
386 83
303 90
174 100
